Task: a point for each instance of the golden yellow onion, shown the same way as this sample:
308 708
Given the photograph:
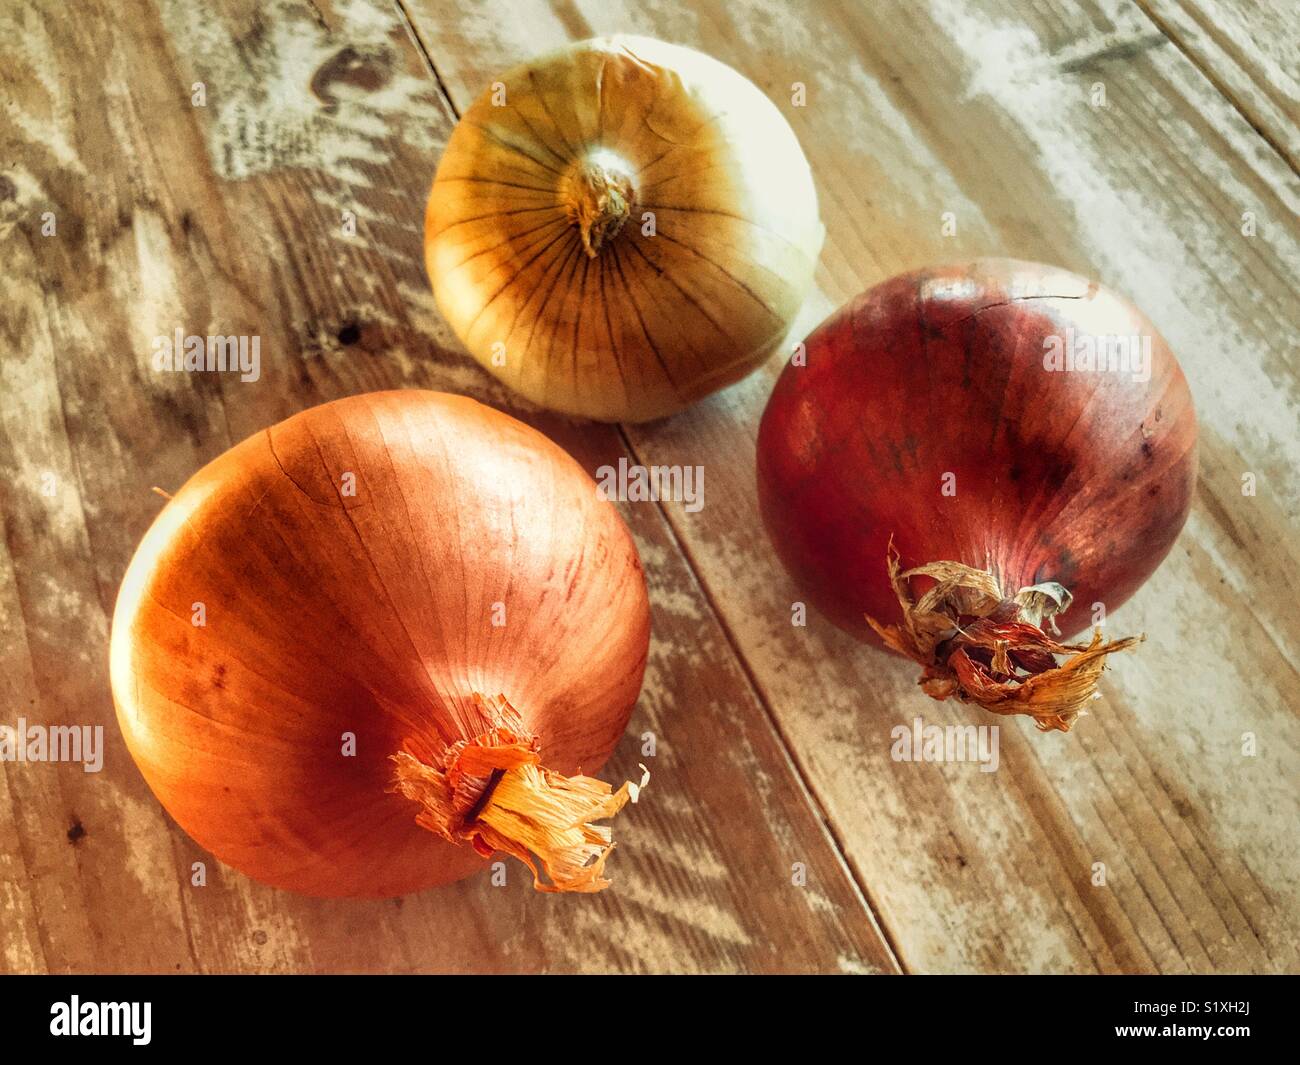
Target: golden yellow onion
621 227
370 646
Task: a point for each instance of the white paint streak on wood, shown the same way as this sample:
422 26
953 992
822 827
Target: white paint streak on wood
266 120
49 126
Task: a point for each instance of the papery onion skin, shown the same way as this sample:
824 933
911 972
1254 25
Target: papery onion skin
1082 478
624 326
370 614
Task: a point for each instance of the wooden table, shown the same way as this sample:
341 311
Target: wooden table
772 740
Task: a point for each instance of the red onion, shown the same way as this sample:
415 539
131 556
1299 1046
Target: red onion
948 419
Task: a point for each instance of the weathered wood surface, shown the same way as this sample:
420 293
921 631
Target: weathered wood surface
773 740
913 111
228 218
1248 51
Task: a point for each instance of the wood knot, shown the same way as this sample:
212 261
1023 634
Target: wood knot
368 71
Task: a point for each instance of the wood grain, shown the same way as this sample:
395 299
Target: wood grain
229 218
984 111
1248 52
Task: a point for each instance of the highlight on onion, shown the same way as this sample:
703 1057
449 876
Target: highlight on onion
393 608
966 456
621 227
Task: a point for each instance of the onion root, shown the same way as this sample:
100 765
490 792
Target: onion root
492 793
981 646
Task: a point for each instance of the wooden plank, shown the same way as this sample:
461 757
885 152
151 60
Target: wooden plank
983 110
230 218
1249 52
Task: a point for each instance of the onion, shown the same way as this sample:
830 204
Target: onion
388 608
621 227
931 420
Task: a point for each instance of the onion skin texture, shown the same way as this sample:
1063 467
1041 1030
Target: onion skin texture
536 241
1082 478
329 613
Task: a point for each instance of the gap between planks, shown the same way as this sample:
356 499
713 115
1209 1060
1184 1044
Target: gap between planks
1220 85
801 775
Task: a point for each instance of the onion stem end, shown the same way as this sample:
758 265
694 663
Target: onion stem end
598 200
978 645
492 793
